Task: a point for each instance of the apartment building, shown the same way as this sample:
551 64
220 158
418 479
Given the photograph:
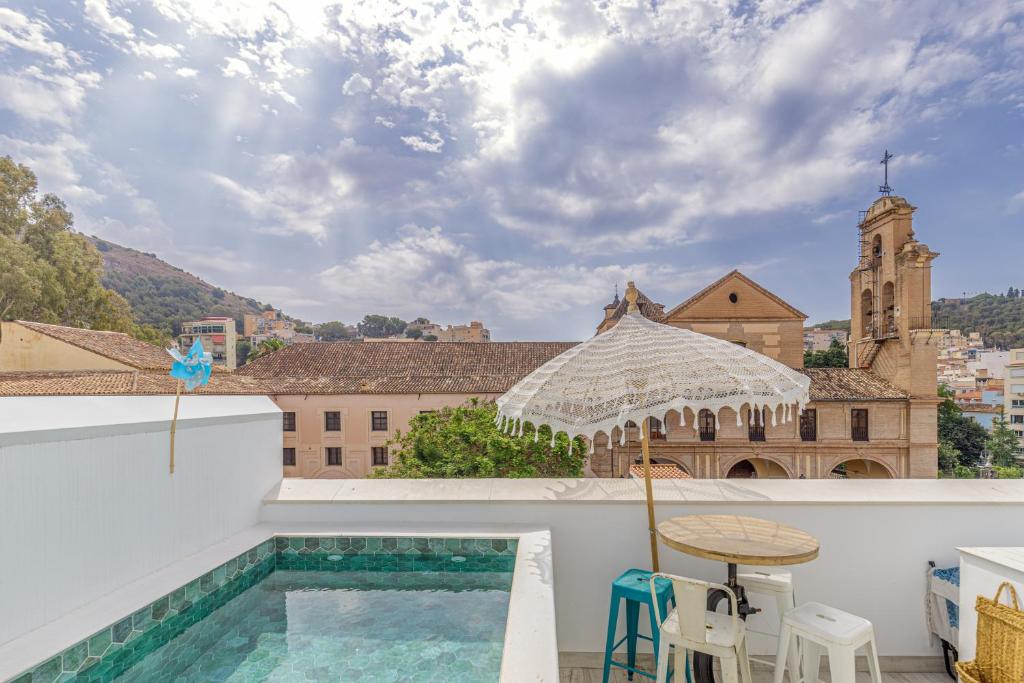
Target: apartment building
1013 388
218 336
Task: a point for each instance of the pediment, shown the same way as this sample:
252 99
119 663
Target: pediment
733 297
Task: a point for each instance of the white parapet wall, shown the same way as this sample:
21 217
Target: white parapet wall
876 536
87 504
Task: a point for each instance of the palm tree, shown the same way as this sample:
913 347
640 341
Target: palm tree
265 347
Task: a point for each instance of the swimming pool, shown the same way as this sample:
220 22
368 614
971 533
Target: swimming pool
318 609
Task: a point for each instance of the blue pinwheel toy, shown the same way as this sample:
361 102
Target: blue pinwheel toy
192 370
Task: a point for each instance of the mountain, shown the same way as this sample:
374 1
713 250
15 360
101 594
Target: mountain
164 296
999 318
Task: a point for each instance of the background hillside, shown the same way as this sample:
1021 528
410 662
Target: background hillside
163 295
999 317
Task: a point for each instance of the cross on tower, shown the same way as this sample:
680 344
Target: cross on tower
885 189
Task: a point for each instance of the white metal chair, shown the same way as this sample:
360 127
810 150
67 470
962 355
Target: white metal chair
826 630
775 584
690 627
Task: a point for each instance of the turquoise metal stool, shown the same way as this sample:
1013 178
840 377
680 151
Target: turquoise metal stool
634 586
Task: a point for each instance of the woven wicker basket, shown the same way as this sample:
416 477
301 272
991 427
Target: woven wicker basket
1000 653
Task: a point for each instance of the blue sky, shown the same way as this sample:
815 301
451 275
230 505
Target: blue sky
513 162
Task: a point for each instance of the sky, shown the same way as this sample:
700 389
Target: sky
514 162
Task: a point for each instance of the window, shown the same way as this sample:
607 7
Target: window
1017 419
655 430
755 424
289 457
809 425
1017 388
332 421
379 420
706 424
1018 403
333 455
859 424
1017 372
427 412
380 455
288 422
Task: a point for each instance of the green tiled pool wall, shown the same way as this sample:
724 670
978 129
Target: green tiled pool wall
395 554
106 654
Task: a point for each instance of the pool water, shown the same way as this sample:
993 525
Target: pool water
344 626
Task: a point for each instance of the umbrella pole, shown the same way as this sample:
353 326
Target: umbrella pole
646 448
174 422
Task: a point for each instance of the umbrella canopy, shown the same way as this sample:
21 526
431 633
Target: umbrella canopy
642 369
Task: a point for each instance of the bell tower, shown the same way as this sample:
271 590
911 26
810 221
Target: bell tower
891 331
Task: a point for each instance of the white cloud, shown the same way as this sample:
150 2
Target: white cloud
430 142
98 14
186 72
20 32
1016 203
356 84
39 96
427 269
154 50
236 67
147 76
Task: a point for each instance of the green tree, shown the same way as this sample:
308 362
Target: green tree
376 326
1001 444
965 472
463 442
962 433
832 357
242 349
264 348
1009 472
50 273
949 457
335 331
414 333
429 337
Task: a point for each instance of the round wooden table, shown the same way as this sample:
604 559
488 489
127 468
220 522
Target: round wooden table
734 539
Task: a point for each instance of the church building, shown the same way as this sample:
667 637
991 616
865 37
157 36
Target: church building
875 419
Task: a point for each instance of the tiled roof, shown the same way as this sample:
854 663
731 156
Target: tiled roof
116 383
659 471
117 346
850 384
426 367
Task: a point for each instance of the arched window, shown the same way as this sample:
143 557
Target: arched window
866 313
888 308
706 424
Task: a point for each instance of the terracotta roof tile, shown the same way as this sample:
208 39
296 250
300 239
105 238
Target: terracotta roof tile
117 346
850 384
116 383
659 471
426 367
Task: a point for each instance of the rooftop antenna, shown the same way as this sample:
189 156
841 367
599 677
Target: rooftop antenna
885 189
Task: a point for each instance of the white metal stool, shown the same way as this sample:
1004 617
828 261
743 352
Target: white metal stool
826 630
777 584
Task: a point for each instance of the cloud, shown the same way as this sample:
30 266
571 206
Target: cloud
430 142
356 84
236 67
186 72
154 50
36 95
427 269
1016 203
147 76
98 14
